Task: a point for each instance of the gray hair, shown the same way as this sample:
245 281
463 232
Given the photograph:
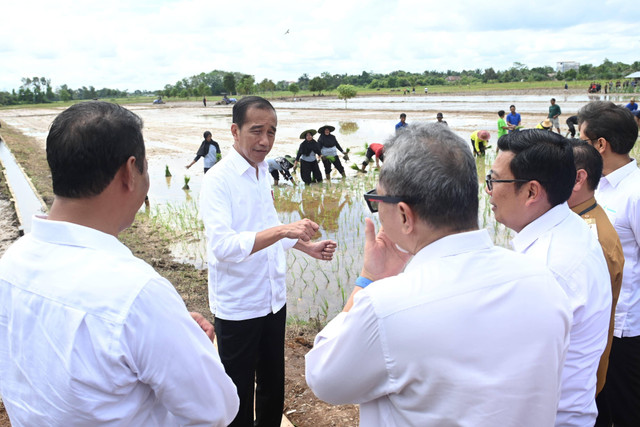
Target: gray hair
434 168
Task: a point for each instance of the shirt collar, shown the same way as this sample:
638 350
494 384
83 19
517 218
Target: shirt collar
240 164
584 205
536 228
70 234
615 177
453 244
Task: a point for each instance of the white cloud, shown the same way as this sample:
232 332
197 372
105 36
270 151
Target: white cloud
147 44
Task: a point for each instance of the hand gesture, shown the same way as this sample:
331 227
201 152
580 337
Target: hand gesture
302 230
204 324
382 258
323 250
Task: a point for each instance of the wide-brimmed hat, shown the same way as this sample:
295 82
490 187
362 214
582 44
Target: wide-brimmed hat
331 128
289 159
484 135
546 123
303 135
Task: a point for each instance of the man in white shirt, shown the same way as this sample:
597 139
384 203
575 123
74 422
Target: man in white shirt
469 333
530 182
247 265
90 334
612 130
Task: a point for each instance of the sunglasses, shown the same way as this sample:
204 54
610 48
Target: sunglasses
373 199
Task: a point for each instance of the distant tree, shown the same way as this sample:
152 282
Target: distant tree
346 92
64 93
282 85
203 89
267 85
245 85
317 84
229 83
570 74
303 81
294 88
489 74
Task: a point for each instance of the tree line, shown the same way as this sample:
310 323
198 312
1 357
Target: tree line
38 90
218 82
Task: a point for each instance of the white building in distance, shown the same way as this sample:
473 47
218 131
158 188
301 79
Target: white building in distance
563 67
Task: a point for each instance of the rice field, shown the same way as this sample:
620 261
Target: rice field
316 290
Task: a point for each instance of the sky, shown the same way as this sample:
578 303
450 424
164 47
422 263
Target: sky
146 44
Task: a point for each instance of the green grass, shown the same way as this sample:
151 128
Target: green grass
362 91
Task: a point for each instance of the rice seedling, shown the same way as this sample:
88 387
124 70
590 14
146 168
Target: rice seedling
317 290
166 171
186 182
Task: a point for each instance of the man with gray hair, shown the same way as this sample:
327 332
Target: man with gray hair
464 333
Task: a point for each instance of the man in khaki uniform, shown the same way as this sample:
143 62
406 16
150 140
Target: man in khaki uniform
582 201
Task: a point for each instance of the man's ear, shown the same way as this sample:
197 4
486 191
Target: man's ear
535 192
129 173
601 145
408 217
581 180
235 130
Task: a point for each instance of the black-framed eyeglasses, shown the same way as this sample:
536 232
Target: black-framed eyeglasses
489 181
373 199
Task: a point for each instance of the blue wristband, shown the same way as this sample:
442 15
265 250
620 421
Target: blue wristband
363 282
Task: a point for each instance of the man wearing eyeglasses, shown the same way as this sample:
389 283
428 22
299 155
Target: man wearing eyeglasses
530 182
464 333
612 130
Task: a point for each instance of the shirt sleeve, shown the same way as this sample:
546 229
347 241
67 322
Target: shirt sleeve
347 363
169 352
216 211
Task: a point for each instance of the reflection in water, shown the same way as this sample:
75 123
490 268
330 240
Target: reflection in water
168 179
317 289
347 128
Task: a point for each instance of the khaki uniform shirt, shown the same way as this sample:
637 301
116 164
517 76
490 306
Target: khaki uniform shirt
612 249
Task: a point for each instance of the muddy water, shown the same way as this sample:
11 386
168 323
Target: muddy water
173 133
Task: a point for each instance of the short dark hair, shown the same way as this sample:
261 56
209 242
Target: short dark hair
432 166
241 107
553 99
586 157
542 156
611 122
88 143
501 113
403 115
206 134
512 106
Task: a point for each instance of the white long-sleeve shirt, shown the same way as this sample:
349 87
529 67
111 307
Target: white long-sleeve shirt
564 242
235 205
619 196
470 334
91 335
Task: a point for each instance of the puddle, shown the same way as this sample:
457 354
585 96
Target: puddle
26 200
